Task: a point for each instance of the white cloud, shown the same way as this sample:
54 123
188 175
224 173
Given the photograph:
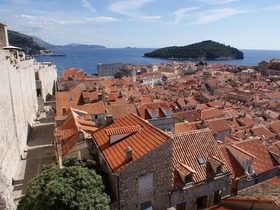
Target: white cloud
87 5
272 8
100 19
217 14
217 1
132 8
149 18
46 22
182 13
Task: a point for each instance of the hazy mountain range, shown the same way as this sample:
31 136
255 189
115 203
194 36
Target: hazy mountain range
66 47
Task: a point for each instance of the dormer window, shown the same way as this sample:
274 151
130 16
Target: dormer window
219 169
117 134
154 114
216 164
186 173
188 178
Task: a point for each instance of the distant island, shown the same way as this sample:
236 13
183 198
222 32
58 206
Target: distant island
65 47
205 50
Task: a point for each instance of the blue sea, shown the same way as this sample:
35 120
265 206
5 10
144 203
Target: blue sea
87 59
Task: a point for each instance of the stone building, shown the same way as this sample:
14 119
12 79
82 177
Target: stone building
270 67
136 157
158 114
109 70
201 176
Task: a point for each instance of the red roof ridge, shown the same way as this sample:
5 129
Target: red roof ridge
122 130
242 150
194 131
188 168
216 159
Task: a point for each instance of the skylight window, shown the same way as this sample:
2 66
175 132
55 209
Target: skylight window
200 160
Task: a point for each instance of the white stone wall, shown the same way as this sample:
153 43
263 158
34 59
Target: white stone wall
18 109
47 72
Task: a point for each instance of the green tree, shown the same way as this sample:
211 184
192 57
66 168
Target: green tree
72 187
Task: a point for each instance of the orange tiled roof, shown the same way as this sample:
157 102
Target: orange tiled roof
245 121
122 130
275 127
145 140
263 160
240 152
211 113
263 192
67 132
262 132
218 125
216 104
235 168
145 109
183 127
121 109
188 147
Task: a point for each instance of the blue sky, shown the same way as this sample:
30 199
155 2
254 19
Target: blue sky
244 24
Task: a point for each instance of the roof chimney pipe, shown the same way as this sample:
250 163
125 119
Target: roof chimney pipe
128 154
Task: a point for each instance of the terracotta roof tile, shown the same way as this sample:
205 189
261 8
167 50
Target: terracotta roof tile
183 127
235 167
120 110
141 142
188 147
240 152
123 130
265 191
218 125
263 160
262 132
275 127
67 133
189 116
246 121
211 113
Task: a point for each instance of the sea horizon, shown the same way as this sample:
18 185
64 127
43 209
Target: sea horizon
87 59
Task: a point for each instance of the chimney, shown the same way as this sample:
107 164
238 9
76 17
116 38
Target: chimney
128 154
269 143
4 41
99 97
109 119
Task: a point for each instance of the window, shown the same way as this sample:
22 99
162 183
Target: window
200 160
145 183
217 197
146 206
181 206
202 202
188 178
219 170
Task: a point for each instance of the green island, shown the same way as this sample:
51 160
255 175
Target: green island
205 50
